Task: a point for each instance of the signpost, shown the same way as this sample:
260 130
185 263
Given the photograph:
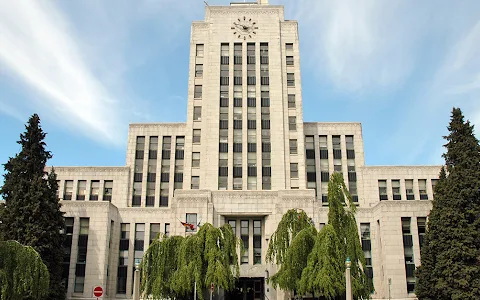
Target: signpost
98 292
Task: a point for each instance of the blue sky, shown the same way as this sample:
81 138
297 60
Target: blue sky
89 68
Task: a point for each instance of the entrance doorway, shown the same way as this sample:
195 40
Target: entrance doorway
248 289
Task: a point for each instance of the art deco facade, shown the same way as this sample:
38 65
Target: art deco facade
245 157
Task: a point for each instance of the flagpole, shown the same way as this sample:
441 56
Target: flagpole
195 291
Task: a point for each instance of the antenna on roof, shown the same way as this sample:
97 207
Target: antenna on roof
206 3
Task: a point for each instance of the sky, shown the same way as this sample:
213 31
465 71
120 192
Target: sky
89 68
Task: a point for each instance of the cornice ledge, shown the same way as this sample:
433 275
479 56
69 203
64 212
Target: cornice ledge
244 10
88 169
157 125
402 204
146 210
87 204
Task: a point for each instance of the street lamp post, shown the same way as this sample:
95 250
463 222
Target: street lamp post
136 280
348 264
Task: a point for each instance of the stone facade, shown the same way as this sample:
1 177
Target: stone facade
269 165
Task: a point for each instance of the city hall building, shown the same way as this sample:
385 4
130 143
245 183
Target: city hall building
243 157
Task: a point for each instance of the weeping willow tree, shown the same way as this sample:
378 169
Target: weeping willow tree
172 265
292 223
295 260
341 216
23 275
324 273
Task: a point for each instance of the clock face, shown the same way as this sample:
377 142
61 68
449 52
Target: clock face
244 28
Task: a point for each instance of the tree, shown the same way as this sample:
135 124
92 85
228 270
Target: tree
314 263
32 213
172 265
23 275
450 255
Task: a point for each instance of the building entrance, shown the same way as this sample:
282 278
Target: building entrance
248 289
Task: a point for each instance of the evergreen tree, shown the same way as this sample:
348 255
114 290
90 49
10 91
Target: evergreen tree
450 255
32 213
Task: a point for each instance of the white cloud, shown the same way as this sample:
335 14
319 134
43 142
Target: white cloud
37 45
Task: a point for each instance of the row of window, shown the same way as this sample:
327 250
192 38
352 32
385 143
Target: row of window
408 248
81 193
138 184
409 192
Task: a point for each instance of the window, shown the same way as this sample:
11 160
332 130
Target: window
293 146
396 190
197 113
244 236
196 160
290 79
81 189
233 224
199 50
191 219
257 242
422 189
154 231
108 190
422 228
349 142
382 189
195 182
68 190
81 255
198 70
289 60
434 183
197 93
367 249
409 189
408 251
224 50
291 101
167 229
294 170
292 123
196 136
289 47
337 165
251 182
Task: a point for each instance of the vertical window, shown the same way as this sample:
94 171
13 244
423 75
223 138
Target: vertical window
290 79
294 170
291 101
197 93
337 165
140 147
233 224
68 190
167 229
137 194
150 200
196 160
108 190
81 189
197 113
94 190
409 189
252 182
292 123
293 146
289 47
396 190
123 258
196 136
408 251
422 228
422 189
434 183
367 249
81 256
257 242
154 231
139 241
67 248
244 235
199 50
195 182
289 60
199 70
191 219
382 190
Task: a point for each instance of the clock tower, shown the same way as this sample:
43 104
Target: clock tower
245 99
